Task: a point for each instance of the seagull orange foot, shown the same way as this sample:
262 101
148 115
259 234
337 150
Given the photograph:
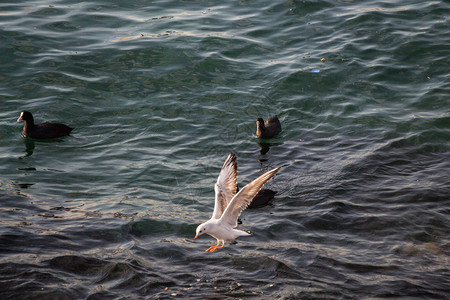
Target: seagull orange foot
214 248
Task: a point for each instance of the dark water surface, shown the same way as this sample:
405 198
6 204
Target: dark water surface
159 92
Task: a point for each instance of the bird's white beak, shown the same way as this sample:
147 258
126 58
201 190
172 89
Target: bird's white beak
20 118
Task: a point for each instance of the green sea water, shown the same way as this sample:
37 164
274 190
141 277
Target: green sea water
159 92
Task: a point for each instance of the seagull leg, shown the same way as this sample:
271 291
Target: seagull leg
210 249
214 248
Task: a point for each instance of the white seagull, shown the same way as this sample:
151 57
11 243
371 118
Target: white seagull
229 205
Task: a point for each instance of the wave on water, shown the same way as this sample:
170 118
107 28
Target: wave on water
159 93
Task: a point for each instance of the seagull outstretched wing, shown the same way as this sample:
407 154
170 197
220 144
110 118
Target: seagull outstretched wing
243 198
225 186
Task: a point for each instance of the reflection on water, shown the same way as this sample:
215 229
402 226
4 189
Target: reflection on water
265 146
29 146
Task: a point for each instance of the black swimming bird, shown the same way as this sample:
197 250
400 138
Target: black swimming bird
263 197
42 130
269 128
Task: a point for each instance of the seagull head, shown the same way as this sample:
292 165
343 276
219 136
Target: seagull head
201 229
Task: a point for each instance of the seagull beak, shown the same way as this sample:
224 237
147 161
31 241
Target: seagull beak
196 236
